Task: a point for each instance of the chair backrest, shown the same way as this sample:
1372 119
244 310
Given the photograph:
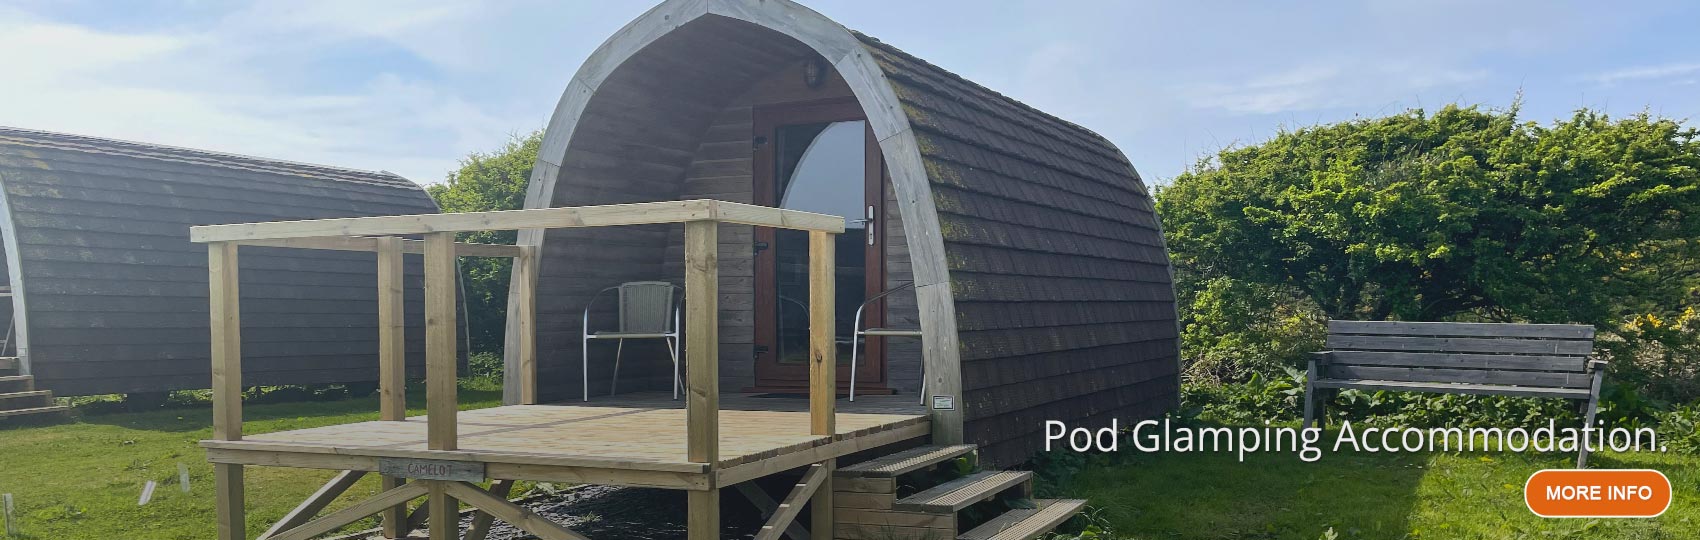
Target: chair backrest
1546 355
646 306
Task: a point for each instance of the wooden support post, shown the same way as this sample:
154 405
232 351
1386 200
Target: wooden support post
787 511
392 332
525 318
481 522
702 342
702 370
440 376
392 361
445 512
823 350
225 310
821 521
703 521
395 517
823 368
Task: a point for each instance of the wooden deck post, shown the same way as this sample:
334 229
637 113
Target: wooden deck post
440 376
823 366
392 328
702 369
525 279
225 310
392 361
441 403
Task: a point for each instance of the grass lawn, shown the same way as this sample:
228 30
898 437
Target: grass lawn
81 480
1359 495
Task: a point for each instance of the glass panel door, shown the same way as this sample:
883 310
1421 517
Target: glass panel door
817 157
820 169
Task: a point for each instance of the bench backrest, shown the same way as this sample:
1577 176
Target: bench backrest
1538 355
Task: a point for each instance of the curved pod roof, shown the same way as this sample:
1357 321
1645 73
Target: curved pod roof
1002 205
110 296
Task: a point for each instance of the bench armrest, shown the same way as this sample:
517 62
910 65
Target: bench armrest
1322 357
1595 365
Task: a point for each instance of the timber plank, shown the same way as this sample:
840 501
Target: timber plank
1454 329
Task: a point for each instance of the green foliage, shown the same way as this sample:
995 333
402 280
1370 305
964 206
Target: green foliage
1462 214
1680 428
488 181
1253 402
486 364
1237 328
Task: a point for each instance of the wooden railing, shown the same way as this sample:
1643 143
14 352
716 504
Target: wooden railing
701 219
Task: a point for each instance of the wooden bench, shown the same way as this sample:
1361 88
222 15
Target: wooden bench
1530 360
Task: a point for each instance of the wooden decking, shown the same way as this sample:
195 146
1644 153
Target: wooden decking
633 439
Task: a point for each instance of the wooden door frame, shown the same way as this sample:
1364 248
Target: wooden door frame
765 120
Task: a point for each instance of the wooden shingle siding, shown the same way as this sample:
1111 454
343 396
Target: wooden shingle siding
1064 301
666 125
1041 266
117 295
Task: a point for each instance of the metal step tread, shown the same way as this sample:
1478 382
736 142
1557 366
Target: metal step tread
35 410
962 492
1027 523
27 394
907 461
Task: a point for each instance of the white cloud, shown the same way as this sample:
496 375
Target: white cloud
1649 73
209 87
1327 86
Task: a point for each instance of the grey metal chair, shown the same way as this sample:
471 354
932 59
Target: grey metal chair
859 333
643 314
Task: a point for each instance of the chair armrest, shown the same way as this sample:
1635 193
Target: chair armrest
593 299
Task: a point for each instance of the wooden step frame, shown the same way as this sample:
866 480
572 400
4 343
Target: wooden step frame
905 462
1027 524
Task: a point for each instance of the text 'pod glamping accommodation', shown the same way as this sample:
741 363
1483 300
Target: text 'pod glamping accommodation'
1024 248
108 295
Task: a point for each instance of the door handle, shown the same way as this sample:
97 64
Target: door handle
870 222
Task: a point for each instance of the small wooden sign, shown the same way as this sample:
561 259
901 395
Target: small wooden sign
432 469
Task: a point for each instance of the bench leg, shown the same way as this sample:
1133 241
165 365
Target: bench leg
1588 418
1310 404
1592 407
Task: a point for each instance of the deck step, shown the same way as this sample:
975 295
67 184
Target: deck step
17 383
907 461
1027 523
35 410
963 492
31 394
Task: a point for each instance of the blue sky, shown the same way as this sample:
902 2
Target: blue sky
412 86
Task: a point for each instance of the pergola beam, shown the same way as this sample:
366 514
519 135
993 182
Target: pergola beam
648 213
371 243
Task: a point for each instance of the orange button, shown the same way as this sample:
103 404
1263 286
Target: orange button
1597 493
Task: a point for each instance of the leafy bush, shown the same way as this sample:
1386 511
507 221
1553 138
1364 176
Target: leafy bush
488 181
1253 402
485 364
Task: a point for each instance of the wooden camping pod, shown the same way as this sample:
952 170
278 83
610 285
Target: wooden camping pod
1042 283
110 296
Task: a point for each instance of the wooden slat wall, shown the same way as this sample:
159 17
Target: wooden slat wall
1064 304
721 169
665 125
1060 277
118 295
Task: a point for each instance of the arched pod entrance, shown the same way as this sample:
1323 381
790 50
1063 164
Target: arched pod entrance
636 123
